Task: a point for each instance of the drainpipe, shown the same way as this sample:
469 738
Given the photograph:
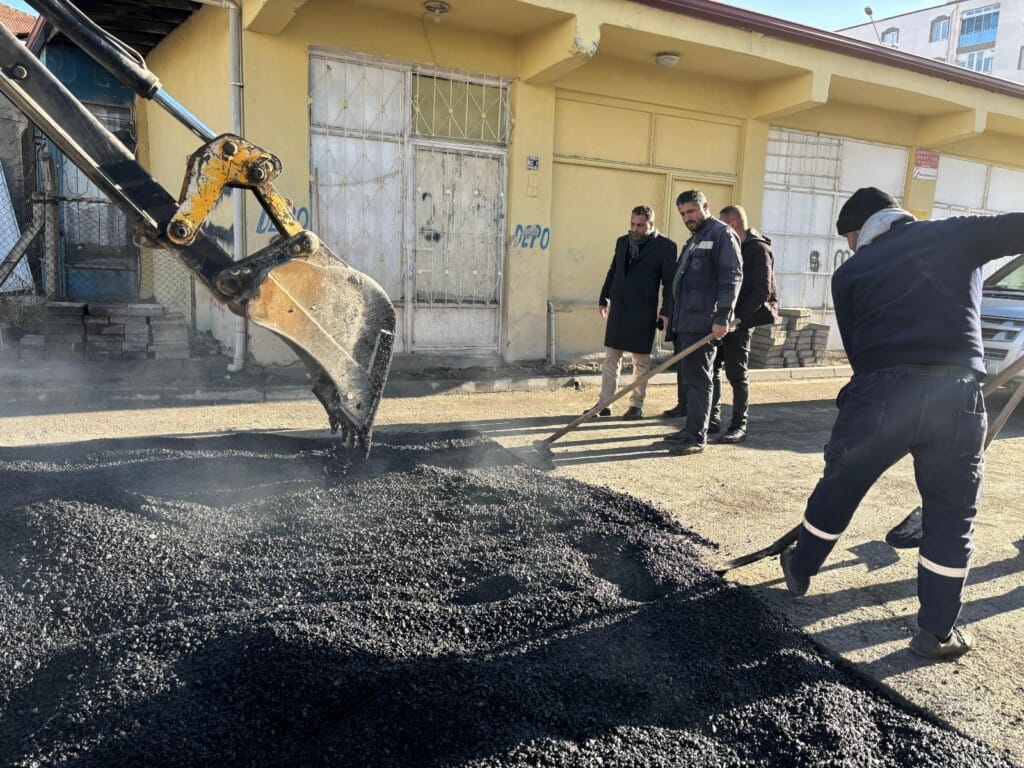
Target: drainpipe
238 226
551 332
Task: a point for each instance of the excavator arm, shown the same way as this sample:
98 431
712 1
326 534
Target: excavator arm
339 321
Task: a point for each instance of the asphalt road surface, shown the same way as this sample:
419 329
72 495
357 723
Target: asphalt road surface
261 599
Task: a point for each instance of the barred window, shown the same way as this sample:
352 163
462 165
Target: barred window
444 108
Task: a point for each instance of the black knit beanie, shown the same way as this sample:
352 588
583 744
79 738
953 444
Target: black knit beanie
861 205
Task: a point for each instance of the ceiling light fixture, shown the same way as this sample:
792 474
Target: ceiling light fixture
438 8
667 59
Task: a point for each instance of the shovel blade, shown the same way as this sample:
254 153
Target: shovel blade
341 324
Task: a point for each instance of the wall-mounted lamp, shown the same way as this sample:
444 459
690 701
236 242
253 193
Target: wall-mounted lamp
667 59
438 8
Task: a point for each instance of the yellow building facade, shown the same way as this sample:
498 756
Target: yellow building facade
480 157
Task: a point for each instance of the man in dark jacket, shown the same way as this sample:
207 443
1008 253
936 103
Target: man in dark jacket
907 305
704 291
758 304
642 266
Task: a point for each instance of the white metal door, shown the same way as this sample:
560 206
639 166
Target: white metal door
408 169
966 188
808 177
458 250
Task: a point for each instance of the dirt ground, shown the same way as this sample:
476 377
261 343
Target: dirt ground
862 606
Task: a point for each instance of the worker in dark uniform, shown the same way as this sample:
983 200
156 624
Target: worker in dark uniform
704 289
907 305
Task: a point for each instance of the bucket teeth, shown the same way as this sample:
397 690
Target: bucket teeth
340 323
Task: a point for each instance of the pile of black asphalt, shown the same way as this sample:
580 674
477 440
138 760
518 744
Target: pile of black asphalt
261 599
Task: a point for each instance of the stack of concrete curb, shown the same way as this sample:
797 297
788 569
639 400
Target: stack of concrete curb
32 346
792 342
169 335
63 332
105 331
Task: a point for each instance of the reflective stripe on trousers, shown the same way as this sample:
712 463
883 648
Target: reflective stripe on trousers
941 422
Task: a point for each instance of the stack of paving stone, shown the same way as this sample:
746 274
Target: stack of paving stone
118 331
103 330
32 346
62 331
134 331
792 342
169 337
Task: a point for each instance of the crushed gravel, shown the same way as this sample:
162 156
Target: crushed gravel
258 600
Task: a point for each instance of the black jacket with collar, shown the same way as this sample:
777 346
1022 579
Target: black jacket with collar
632 291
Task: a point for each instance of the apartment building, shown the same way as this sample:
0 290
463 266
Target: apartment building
975 34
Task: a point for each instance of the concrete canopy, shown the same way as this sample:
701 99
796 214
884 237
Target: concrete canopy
785 73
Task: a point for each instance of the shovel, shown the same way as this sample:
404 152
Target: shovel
543 458
908 533
910 528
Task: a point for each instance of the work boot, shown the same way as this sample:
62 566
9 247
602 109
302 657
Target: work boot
931 647
734 435
685 447
909 533
602 412
633 413
677 410
797 587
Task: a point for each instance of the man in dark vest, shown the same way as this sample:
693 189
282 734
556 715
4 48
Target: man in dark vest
757 304
641 268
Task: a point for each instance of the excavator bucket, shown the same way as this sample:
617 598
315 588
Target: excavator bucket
340 323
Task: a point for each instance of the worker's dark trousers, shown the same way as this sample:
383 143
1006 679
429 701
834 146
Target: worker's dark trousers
733 355
695 382
940 419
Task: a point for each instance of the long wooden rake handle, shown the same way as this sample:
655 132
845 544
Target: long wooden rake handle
624 391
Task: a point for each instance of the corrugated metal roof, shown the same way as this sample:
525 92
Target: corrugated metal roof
18 22
141 24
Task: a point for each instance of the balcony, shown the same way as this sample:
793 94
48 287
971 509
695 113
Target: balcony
972 39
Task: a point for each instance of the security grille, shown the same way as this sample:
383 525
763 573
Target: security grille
808 177
99 258
408 169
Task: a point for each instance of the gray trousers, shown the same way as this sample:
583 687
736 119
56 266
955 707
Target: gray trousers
695 371
611 368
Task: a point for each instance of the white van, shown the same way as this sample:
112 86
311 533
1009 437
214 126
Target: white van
1002 315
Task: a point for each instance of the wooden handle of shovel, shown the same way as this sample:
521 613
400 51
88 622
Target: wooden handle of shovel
626 390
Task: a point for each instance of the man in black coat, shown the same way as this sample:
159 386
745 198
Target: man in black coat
644 263
757 304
